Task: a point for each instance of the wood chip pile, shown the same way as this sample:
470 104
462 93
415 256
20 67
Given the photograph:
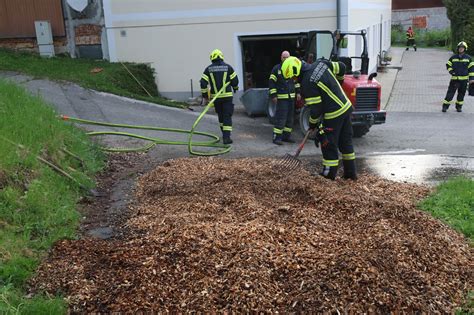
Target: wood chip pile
208 234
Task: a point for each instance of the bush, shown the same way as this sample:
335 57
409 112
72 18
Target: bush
398 34
431 38
461 14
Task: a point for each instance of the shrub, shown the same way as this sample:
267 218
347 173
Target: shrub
461 14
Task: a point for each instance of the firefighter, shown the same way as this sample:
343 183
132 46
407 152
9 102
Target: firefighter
282 93
410 38
330 114
216 75
461 68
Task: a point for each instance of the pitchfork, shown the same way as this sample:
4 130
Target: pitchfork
291 162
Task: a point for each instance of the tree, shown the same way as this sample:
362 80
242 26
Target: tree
461 14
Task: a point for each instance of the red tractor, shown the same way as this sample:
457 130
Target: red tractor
361 88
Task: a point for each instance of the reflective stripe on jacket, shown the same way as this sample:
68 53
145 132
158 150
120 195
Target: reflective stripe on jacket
322 91
281 88
215 76
461 67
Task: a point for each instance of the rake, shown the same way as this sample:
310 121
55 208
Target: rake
291 162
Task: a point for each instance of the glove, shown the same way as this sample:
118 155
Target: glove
452 72
315 125
321 137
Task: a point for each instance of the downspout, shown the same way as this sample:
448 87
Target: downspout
71 34
338 13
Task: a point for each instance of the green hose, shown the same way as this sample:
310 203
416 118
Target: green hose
213 143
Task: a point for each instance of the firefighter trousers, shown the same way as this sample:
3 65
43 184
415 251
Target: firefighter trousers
411 42
339 133
225 109
284 117
461 87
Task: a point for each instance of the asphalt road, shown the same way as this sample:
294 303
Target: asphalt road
413 147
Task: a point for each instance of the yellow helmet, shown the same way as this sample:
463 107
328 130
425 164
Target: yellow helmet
216 53
462 43
291 67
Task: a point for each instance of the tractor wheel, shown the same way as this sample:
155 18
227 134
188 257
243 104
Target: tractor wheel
304 119
359 131
271 111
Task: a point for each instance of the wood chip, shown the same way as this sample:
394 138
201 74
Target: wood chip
203 235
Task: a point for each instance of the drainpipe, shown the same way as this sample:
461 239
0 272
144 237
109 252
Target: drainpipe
71 34
338 12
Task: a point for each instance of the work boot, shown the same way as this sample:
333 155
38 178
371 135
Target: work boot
286 137
227 140
445 108
414 47
459 108
406 49
329 172
277 139
349 169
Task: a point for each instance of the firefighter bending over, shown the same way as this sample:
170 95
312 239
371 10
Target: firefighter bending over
282 93
461 69
330 111
216 75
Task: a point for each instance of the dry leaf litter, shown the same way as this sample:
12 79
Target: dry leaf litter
209 234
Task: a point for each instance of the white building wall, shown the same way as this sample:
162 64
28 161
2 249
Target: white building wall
373 16
176 37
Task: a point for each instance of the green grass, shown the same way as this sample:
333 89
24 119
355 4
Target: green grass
113 78
37 205
453 203
423 37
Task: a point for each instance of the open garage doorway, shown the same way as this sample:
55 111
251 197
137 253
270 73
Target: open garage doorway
260 53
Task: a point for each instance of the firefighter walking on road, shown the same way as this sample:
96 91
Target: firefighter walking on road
330 111
410 38
283 93
216 76
461 68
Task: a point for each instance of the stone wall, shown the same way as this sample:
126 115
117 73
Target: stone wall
430 18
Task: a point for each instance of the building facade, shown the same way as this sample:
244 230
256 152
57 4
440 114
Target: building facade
421 14
176 37
77 31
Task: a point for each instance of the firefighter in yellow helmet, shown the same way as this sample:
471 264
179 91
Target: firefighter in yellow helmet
216 75
331 110
461 68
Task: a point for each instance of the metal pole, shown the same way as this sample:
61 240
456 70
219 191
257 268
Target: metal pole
338 12
381 38
192 92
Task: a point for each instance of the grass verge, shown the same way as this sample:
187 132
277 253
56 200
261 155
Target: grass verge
37 205
453 203
112 77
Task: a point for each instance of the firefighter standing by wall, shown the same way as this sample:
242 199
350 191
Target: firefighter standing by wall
410 38
461 68
330 111
282 93
216 76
